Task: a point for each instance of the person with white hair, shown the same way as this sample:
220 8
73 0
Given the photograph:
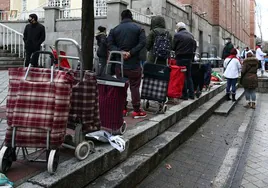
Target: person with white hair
184 46
249 79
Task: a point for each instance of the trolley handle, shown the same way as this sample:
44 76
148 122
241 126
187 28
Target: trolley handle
52 62
116 62
79 57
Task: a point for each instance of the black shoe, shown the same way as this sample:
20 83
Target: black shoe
233 98
184 98
227 96
192 98
198 94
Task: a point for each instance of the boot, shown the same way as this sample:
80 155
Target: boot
228 96
233 98
253 105
248 105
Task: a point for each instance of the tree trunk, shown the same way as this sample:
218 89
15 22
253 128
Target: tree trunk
87 32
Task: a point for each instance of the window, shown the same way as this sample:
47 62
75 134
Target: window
100 7
59 3
24 5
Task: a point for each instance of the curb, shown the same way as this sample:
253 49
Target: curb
227 171
147 158
80 173
226 107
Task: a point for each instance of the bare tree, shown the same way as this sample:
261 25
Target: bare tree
259 19
87 32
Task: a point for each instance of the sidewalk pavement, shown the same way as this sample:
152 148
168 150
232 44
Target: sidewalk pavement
253 168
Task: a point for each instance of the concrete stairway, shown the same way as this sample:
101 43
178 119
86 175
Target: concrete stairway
147 145
9 60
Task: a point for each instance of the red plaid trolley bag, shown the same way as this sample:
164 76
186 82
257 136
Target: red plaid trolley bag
39 106
176 81
84 112
112 98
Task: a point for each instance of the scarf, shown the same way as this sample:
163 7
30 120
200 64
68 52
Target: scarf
232 56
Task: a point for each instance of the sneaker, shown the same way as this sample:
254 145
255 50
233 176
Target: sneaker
140 114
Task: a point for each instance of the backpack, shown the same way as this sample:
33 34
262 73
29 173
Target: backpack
162 46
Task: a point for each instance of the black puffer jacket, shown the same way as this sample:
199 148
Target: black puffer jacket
129 37
102 45
184 43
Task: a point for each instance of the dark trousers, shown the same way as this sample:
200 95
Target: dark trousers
134 77
102 65
188 90
29 59
231 83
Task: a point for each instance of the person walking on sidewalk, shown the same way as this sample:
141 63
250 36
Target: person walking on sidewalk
130 38
34 35
227 48
232 69
158 42
102 51
260 56
184 46
249 79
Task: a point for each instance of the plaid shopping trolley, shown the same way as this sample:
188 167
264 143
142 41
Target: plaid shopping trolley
37 112
155 85
84 112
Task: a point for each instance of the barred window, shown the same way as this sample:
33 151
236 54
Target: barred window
100 7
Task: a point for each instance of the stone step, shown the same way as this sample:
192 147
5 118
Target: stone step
2 54
226 107
81 173
139 165
6 59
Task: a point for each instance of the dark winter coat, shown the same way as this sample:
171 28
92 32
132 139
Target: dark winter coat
184 44
129 37
249 77
102 51
227 50
34 35
158 25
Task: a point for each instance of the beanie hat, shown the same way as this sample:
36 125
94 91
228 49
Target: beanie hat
181 25
34 16
233 51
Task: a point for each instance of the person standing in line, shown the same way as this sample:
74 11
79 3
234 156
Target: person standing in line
130 38
232 68
238 52
227 48
260 56
249 79
34 35
158 28
184 46
102 51
244 53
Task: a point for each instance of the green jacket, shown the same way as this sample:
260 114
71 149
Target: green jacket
157 24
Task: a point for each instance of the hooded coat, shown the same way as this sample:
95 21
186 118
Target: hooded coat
249 77
102 51
158 25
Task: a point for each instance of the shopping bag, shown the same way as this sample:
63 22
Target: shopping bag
176 81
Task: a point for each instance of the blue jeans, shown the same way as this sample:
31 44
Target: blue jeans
231 83
188 89
250 94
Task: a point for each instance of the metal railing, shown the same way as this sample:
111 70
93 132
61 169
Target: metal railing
12 40
137 16
70 13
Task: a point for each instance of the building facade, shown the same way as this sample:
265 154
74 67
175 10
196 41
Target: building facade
237 17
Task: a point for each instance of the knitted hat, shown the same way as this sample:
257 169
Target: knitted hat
181 25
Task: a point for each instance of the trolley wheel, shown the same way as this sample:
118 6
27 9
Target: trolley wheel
83 150
146 105
53 161
6 158
164 109
123 128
